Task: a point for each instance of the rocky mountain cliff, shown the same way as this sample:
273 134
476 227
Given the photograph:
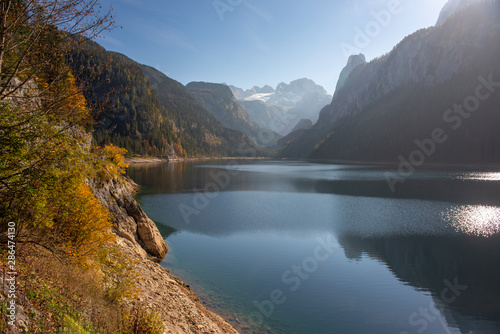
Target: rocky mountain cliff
303 124
280 109
451 7
262 114
387 104
353 62
219 100
241 94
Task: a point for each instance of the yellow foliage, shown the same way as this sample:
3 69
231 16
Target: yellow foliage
64 101
113 161
74 100
81 222
179 150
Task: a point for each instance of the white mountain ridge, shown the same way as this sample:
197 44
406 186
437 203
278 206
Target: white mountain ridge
282 108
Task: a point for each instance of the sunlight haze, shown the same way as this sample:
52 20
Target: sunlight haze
258 42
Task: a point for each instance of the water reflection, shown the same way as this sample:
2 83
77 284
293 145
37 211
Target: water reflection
438 228
429 263
161 178
481 188
229 213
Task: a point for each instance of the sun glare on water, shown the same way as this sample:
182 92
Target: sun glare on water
477 220
482 176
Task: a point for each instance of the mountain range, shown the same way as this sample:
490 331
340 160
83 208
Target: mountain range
433 98
219 100
282 108
382 110
141 109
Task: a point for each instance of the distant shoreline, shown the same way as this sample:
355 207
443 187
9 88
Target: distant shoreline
160 160
390 165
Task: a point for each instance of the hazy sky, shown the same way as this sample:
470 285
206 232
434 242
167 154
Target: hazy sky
257 42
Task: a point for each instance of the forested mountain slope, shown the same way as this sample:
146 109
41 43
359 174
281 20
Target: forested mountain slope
219 100
144 111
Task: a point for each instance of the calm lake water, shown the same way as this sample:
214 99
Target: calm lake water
282 247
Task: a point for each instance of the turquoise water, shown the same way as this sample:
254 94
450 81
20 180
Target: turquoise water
280 247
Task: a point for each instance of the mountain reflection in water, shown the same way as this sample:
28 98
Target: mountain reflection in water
438 234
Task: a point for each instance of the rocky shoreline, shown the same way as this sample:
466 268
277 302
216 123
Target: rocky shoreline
139 239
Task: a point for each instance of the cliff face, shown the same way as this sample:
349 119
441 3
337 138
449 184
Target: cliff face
353 62
383 106
139 239
427 58
131 223
297 132
451 7
261 113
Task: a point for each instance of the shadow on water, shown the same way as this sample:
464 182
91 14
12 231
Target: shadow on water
165 230
440 265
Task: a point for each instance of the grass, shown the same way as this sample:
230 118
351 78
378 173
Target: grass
66 297
70 326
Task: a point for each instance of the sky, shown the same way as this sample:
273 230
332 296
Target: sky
249 43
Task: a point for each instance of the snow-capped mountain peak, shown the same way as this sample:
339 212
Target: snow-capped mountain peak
280 109
259 97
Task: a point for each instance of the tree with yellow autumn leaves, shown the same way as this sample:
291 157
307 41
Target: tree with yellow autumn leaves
44 146
47 163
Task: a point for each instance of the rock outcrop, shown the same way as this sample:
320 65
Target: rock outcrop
353 62
139 239
130 221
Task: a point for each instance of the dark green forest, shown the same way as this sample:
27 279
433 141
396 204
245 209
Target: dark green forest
145 115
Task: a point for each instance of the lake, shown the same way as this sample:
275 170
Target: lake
303 248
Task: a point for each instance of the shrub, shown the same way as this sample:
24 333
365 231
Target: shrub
142 321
